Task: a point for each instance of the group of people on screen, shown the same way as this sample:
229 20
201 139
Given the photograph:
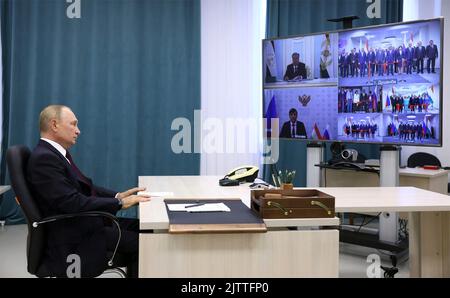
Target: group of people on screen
411 131
389 61
360 130
358 100
410 104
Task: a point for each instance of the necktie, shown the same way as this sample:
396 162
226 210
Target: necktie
293 130
80 175
295 68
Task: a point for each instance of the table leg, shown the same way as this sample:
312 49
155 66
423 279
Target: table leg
429 244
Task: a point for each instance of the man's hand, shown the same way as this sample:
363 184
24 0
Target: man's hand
129 192
131 200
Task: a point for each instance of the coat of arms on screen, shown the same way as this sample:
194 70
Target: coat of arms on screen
304 99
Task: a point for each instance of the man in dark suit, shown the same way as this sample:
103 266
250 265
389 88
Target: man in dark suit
61 188
293 128
295 70
431 54
420 55
362 62
409 54
390 58
372 62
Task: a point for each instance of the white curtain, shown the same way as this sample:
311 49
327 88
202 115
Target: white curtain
427 9
231 84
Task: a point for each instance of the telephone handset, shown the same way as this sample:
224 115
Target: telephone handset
240 174
243 174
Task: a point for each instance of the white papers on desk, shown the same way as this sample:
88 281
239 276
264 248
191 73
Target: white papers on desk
163 194
207 207
178 207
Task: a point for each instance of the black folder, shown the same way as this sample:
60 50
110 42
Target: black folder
240 219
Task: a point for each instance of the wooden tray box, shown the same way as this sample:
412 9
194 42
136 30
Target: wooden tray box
296 203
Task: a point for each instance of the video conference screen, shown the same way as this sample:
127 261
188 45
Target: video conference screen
371 85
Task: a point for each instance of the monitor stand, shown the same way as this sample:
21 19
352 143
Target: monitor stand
387 238
314 156
389 177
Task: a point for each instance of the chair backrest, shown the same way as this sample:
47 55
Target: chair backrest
420 159
17 159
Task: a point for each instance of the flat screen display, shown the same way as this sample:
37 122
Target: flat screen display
378 84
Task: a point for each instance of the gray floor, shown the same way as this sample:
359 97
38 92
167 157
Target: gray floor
352 260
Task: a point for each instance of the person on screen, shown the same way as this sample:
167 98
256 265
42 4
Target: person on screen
60 187
353 62
349 100
296 70
399 60
342 63
431 54
293 128
356 103
372 61
381 60
390 60
362 62
409 54
420 55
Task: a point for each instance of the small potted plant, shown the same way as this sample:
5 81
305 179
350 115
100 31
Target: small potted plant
286 179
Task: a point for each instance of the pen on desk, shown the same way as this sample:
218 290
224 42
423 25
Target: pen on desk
195 205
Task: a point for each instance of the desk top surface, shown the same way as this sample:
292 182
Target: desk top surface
347 199
414 172
421 172
153 214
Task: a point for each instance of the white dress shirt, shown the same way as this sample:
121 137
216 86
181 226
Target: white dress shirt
57 147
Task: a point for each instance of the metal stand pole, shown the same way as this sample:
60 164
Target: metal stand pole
314 156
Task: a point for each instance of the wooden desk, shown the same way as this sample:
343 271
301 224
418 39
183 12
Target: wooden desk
429 233
280 252
434 180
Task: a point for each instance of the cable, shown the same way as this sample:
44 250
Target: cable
403 229
365 224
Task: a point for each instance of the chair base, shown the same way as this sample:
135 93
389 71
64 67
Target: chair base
117 271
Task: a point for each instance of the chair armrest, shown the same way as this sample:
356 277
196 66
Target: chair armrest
85 214
72 215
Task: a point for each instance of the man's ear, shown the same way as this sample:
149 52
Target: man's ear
53 125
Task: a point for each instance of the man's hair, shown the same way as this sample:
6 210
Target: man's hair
295 54
48 113
292 111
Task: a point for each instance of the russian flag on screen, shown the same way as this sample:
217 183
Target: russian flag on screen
271 113
272 109
326 133
388 102
316 132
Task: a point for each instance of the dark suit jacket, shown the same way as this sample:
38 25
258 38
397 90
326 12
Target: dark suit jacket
301 71
432 51
57 190
286 130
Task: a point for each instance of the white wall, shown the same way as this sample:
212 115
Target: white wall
231 75
426 9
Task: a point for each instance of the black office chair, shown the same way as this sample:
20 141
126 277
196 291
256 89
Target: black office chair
420 159
17 159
